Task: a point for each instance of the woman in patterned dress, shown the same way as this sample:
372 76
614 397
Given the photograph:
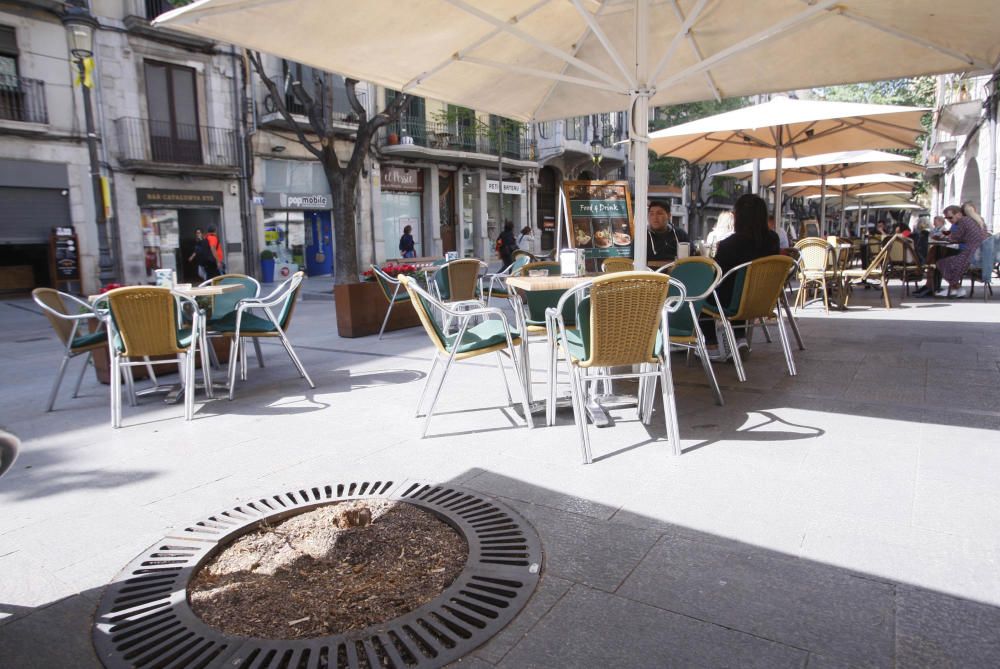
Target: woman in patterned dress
968 234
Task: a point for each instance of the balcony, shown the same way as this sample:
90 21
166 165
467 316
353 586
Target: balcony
272 118
572 138
139 14
22 100
415 138
161 147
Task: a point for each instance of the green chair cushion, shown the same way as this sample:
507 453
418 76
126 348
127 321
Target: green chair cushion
482 335
250 323
89 339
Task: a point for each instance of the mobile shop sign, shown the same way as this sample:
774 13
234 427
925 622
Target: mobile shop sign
600 219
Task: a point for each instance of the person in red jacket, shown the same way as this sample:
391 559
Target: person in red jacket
213 243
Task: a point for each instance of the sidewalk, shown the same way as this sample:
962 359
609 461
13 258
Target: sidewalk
849 516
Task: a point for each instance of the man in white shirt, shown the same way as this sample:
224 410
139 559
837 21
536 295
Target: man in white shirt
782 235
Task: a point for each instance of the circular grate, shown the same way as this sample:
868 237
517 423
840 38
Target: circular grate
144 619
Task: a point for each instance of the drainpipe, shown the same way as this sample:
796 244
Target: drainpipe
246 222
991 185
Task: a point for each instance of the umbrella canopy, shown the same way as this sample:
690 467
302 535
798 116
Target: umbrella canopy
832 165
850 186
541 60
901 205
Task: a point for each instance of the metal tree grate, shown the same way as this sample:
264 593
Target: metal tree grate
144 619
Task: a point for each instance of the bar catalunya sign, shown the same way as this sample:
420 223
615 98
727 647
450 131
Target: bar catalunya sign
158 197
600 219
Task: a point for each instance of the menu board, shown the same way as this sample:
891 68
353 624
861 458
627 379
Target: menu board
64 255
600 220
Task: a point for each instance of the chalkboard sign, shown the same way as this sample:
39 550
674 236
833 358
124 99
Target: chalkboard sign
64 255
600 220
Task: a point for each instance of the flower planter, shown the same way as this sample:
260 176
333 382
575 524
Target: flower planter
361 308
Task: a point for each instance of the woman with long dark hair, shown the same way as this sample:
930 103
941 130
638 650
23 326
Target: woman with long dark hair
751 239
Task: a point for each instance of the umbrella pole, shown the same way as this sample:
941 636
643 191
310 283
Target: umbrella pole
561 219
822 201
755 184
778 150
639 136
843 210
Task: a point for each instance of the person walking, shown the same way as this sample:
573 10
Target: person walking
213 243
208 266
506 244
407 248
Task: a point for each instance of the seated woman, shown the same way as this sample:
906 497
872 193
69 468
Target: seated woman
968 234
751 239
723 229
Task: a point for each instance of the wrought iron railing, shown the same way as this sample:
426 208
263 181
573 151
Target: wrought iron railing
510 142
146 140
22 99
156 7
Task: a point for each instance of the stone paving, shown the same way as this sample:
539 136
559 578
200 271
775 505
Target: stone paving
846 517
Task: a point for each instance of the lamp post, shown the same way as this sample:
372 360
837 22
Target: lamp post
80 25
596 154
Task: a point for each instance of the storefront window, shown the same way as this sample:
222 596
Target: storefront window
399 210
494 221
285 234
168 239
470 204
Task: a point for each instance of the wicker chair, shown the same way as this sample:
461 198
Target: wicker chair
757 291
459 280
492 335
241 324
816 261
147 321
618 264
904 263
876 271
393 292
700 277
67 325
622 317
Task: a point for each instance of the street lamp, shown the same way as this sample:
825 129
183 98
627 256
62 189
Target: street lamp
596 154
80 25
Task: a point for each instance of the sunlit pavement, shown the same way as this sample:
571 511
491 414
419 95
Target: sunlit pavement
848 516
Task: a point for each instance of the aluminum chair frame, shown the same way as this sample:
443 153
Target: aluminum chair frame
450 354
69 353
214 281
502 276
648 372
185 355
776 308
392 299
287 290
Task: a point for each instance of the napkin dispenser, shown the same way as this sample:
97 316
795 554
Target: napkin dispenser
572 262
165 277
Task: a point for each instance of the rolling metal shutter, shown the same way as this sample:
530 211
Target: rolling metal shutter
28 214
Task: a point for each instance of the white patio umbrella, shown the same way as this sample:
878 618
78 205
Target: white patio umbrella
537 60
859 185
827 165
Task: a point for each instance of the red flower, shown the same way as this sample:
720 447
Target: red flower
110 286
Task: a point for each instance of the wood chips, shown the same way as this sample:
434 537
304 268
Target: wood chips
335 569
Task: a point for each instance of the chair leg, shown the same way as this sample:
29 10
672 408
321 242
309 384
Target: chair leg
243 361
669 406
388 311
58 382
550 405
234 361
885 294
256 350
707 366
83 370
295 359
427 383
786 345
189 383
152 374
734 349
436 395
116 390
206 367
791 321
133 399
503 374
579 409
523 380
826 297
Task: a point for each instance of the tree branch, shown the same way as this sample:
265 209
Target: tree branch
314 112
279 102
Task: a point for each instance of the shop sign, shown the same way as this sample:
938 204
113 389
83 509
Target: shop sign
297 201
167 199
678 210
509 187
401 178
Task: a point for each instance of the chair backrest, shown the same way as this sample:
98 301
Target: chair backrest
763 283
52 303
987 257
226 303
625 310
385 282
145 319
425 306
815 254
519 262
291 287
617 265
459 279
897 250
699 276
553 268
521 253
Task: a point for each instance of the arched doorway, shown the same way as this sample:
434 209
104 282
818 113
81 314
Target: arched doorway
970 185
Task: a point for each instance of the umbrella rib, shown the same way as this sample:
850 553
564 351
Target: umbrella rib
777 30
922 41
215 10
538 44
676 40
697 52
423 76
605 42
532 72
860 125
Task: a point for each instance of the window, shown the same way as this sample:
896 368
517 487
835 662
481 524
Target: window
411 119
293 71
171 98
8 58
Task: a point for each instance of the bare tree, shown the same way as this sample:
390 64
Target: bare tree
343 177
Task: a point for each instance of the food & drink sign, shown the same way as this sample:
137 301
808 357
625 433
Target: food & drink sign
600 220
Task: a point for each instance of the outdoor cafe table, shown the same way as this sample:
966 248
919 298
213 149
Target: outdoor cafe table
174 392
526 284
